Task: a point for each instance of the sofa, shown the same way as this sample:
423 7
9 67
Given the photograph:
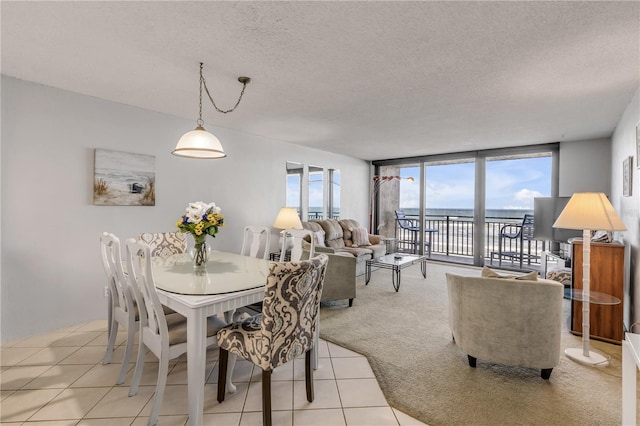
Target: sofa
342 237
507 320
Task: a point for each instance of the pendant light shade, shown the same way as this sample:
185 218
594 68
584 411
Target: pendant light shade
199 143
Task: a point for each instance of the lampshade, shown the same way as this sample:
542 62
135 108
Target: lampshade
589 210
199 143
287 219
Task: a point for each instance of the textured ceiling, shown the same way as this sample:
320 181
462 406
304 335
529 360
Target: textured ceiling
372 80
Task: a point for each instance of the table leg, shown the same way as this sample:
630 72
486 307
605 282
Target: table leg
395 277
367 273
423 268
197 338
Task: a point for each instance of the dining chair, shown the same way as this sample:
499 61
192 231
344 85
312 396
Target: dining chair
283 330
297 236
165 244
256 239
122 307
164 335
520 235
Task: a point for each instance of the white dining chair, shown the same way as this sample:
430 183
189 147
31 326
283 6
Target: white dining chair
122 307
256 239
297 236
164 335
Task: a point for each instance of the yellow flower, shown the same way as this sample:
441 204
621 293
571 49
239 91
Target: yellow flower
211 218
198 231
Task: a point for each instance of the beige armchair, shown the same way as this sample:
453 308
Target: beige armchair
507 321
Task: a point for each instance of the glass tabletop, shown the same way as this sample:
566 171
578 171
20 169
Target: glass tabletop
225 273
595 297
396 259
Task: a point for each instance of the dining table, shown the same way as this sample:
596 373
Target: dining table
229 281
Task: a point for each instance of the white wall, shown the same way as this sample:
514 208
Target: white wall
623 145
51 274
585 166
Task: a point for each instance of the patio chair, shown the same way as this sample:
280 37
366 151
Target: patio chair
520 234
409 227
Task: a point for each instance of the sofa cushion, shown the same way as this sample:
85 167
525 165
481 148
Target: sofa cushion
489 273
333 233
360 237
319 236
347 225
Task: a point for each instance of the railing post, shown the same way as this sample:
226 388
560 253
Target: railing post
447 238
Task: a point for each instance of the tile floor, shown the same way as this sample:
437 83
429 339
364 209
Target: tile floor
58 379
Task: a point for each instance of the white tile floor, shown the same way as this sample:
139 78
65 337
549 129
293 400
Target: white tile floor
58 379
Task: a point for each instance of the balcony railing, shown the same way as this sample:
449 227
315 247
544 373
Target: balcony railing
455 237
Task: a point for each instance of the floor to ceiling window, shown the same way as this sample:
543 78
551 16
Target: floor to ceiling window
459 202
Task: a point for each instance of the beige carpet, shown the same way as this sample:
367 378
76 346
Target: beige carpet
406 338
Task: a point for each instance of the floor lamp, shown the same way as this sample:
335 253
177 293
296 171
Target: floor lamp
588 211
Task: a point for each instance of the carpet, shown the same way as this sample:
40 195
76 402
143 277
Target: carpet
406 338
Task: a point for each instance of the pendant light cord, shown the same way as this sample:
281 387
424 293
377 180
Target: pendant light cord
243 80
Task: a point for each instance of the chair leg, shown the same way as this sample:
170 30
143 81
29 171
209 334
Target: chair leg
308 375
131 334
351 302
472 361
223 358
135 381
546 373
163 372
112 340
266 396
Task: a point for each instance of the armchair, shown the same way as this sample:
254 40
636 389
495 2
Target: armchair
507 320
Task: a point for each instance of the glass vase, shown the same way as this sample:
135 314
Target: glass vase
200 255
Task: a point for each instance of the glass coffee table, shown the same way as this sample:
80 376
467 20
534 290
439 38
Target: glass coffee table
396 262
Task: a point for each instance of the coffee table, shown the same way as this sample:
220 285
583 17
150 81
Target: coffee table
396 262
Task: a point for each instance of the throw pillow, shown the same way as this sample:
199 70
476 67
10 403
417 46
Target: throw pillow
488 273
360 237
319 238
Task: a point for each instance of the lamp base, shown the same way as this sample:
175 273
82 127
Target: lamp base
594 359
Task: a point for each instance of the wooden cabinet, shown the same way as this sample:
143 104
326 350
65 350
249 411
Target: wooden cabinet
607 276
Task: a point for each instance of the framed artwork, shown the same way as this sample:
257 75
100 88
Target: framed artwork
626 176
124 179
638 145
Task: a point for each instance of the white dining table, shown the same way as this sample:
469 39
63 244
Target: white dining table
229 282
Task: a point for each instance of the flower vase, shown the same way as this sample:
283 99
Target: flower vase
200 255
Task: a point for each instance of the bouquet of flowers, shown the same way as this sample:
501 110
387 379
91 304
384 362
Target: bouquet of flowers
201 219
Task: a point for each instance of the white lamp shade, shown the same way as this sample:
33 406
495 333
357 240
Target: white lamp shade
287 219
199 143
589 210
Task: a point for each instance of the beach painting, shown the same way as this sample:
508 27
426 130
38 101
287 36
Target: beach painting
124 179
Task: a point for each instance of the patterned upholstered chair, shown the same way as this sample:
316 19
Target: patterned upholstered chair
284 330
165 244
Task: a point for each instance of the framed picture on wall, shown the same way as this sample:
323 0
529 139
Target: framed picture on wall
626 176
124 179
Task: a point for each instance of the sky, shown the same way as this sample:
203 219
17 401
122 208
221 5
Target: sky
511 184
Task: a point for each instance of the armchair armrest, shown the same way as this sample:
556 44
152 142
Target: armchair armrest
325 250
510 231
374 239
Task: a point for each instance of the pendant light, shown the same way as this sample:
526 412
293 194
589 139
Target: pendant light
199 143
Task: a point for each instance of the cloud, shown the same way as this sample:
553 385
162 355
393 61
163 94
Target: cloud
526 197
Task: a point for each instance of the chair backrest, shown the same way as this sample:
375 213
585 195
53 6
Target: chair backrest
403 222
153 323
527 227
256 239
121 295
298 237
293 291
165 244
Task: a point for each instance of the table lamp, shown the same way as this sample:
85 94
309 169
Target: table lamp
588 211
287 219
